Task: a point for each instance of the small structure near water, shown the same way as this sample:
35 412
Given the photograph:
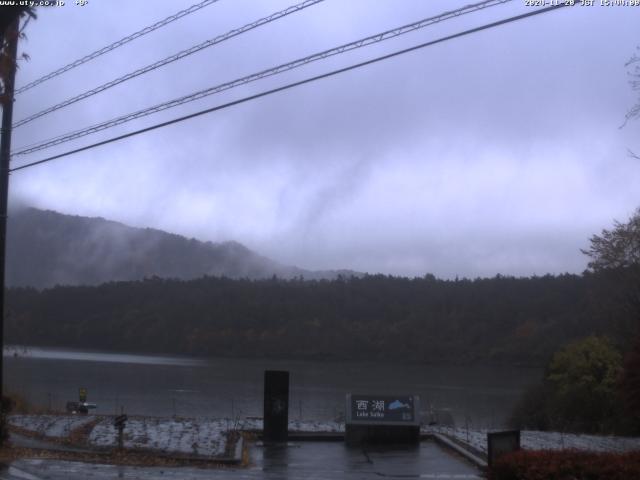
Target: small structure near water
81 406
499 443
382 419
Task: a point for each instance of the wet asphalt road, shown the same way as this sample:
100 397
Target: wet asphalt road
305 460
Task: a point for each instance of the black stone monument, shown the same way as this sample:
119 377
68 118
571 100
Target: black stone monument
276 406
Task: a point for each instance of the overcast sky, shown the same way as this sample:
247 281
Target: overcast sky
498 152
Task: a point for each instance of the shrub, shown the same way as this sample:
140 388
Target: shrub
579 392
583 377
566 465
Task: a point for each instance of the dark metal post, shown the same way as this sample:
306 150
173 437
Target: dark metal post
120 436
119 423
276 406
11 34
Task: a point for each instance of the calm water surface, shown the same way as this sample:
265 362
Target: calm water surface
231 388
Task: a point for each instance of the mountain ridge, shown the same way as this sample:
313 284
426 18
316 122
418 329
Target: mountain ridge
47 248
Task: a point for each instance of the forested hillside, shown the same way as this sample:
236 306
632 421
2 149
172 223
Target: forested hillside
505 320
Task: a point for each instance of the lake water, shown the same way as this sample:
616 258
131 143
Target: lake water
230 388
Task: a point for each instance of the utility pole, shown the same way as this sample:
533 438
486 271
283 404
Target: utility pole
9 76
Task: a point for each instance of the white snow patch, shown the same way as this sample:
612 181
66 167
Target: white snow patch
534 440
303 426
58 426
201 437
187 436
296 425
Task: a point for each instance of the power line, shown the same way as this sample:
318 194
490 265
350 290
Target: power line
363 42
114 45
294 84
175 57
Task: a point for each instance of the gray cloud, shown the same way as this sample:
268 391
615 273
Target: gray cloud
495 153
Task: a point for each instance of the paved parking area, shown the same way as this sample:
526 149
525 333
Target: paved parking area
303 460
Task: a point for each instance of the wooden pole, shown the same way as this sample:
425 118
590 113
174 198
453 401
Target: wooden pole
9 75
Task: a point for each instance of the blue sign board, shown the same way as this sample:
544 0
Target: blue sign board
382 409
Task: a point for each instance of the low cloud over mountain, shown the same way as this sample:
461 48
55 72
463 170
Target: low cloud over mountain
47 248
